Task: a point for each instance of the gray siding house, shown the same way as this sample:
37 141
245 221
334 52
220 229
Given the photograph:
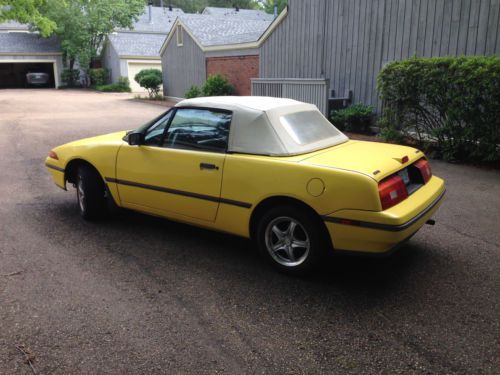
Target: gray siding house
200 45
22 51
347 42
127 52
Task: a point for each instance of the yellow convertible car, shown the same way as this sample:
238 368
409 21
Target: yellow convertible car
274 170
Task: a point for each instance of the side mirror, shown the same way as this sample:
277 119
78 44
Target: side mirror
135 139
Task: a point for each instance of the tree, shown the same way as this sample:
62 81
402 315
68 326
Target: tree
27 11
72 32
82 25
150 79
243 4
269 5
197 6
188 6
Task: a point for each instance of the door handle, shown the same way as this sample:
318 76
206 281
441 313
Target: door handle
208 166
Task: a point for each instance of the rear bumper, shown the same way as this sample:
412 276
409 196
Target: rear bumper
37 82
381 232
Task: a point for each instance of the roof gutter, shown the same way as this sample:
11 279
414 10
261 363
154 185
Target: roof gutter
138 57
30 54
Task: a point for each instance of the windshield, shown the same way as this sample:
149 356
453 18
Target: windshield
308 127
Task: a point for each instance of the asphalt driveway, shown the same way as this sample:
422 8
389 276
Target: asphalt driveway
135 294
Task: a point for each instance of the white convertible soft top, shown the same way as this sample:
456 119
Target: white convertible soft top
272 126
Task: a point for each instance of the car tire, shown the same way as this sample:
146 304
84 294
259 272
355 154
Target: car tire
90 193
292 239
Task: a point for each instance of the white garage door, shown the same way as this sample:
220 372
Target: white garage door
136 67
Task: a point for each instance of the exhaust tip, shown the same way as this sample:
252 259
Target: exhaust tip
430 222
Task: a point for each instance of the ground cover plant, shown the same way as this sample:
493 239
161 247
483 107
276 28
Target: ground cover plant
123 85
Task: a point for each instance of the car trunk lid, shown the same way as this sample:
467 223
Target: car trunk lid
377 160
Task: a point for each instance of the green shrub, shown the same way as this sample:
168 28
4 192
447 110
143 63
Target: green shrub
112 87
124 82
217 85
123 85
357 118
146 72
71 77
98 77
390 134
448 104
151 80
193 92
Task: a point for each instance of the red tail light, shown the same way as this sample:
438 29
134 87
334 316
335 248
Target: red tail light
53 155
425 169
392 190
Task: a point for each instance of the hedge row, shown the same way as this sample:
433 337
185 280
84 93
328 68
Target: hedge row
450 104
123 85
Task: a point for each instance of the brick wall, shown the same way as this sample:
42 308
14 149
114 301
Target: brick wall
236 69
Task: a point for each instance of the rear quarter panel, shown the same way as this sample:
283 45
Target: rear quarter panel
252 179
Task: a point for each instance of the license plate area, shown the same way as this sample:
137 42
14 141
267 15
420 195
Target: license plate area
404 175
411 178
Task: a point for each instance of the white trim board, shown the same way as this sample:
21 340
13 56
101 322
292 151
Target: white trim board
57 82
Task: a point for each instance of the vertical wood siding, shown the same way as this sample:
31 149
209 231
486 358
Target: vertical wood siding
182 66
349 41
305 90
111 61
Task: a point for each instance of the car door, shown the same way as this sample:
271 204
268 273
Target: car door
178 171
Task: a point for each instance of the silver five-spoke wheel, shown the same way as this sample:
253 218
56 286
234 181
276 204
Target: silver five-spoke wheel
90 192
292 238
80 192
287 241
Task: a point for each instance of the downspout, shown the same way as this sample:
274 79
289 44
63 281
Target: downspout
150 9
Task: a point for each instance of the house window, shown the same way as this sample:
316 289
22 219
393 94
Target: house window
180 36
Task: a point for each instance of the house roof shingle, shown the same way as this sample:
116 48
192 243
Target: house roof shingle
162 20
13 42
13 25
137 44
223 30
243 13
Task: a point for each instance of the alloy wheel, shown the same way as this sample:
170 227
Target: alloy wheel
287 241
81 195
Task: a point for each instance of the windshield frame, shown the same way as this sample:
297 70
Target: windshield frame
144 128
